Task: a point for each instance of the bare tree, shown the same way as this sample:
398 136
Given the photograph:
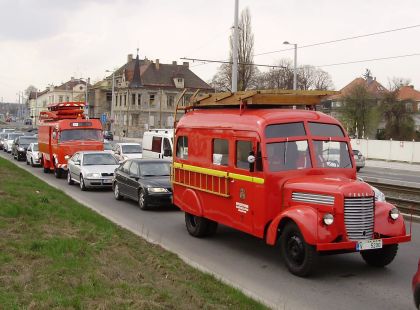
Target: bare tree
29 90
397 82
247 73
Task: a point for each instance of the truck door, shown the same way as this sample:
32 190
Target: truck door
246 188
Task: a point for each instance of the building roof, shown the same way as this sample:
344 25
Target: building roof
408 93
373 86
70 84
160 75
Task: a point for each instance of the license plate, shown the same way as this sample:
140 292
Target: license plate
107 181
369 244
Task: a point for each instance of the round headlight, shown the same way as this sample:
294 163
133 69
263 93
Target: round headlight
328 218
394 213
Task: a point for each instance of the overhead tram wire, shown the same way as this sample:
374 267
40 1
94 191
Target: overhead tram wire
325 42
342 39
320 66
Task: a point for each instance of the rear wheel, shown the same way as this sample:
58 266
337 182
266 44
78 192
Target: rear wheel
198 226
380 257
44 166
117 194
82 183
69 179
142 200
58 172
299 256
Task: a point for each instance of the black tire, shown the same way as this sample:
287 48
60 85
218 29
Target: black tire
212 228
358 169
27 162
197 226
82 184
299 257
58 173
380 257
69 179
142 200
45 169
116 190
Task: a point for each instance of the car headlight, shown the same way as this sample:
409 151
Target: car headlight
66 157
328 219
93 175
21 149
394 213
379 196
157 190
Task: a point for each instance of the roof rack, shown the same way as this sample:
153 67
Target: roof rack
63 110
269 98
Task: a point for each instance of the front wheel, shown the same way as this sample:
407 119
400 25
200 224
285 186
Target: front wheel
380 257
142 201
299 257
358 169
27 161
69 179
57 172
198 226
44 166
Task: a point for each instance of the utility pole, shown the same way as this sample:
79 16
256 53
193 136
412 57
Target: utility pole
235 50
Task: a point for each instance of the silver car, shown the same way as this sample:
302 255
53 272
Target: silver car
8 141
91 169
359 159
33 157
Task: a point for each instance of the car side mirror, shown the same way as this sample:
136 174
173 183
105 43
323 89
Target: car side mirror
167 152
77 162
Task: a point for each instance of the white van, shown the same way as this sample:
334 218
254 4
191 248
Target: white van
158 143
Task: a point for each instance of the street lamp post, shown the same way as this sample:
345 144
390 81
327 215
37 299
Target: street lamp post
86 96
113 97
294 65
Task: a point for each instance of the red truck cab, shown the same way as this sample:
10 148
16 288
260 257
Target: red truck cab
64 130
251 161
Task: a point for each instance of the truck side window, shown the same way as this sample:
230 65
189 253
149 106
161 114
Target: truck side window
220 152
243 149
290 155
182 147
157 144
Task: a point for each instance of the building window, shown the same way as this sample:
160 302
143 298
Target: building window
60 99
108 96
138 99
133 99
67 99
125 100
152 100
179 80
220 152
171 100
187 100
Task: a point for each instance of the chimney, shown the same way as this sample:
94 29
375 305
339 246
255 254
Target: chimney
174 63
129 58
186 64
157 64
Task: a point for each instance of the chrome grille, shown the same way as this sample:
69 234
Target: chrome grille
359 217
104 174
313 198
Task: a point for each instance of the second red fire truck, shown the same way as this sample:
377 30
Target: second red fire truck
64 130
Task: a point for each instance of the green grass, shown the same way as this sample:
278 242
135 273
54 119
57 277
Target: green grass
56 253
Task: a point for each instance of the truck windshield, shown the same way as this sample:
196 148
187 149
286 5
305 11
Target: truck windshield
81 134
331 154
288 155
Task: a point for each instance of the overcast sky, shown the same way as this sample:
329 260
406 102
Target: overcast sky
46 42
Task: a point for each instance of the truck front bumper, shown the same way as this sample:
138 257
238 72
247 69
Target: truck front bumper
351 245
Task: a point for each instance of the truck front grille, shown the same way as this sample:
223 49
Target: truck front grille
359 217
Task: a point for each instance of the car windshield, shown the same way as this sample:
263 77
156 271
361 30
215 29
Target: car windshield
131 148
35 147
332 154
154 169
99 159
81 134
27 140
288 155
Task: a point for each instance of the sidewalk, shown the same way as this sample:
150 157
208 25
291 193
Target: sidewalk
392 165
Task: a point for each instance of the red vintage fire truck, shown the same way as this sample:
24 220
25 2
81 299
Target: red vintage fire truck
268 164
64 130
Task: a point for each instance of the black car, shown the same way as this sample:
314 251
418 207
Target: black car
144 180
108 135
20 145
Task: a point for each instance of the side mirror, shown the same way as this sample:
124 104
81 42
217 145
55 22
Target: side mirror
77 162
251 161
167 152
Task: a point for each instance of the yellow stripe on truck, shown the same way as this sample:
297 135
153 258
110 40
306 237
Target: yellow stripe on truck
219 173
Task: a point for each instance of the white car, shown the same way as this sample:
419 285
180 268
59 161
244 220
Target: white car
33 157
91 169
8 141
123 151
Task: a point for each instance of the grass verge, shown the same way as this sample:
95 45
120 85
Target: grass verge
56 253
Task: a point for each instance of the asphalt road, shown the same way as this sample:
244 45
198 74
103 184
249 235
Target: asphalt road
341 281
